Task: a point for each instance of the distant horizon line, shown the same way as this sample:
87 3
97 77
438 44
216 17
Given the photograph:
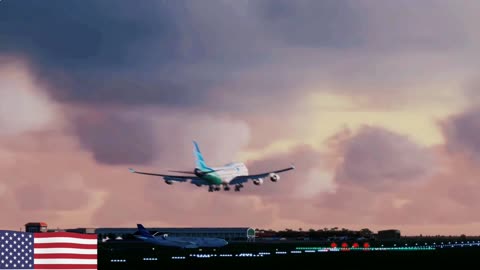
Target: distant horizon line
331 229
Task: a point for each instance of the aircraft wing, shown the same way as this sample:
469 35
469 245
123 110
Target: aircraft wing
176 178
244 178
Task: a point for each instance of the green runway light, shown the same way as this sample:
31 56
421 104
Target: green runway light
369 249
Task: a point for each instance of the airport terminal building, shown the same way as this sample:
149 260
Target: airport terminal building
229 234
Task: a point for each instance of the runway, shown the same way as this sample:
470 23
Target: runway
281 254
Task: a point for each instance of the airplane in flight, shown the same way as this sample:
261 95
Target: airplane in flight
231 174
181 242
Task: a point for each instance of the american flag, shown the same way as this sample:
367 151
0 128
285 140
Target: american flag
51 250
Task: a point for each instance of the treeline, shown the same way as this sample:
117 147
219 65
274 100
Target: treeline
336 232
315 234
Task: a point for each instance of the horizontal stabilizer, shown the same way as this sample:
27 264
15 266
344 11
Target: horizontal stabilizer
212 170
187 172
203 171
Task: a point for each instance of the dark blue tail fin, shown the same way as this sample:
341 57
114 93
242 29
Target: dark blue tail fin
144 232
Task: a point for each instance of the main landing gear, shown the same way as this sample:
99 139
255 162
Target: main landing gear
225 188
213 188
238 187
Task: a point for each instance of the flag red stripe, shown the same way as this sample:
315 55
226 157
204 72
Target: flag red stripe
64 245
65 256
65 266
65 234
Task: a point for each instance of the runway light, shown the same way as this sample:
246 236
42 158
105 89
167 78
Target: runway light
333 245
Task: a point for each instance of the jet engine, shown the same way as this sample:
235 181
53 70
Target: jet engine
274 177
258 181
168 182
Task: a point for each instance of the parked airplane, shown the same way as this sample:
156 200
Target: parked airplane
181 242
230 174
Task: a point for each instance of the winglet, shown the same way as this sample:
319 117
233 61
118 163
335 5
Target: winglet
293 166
131 170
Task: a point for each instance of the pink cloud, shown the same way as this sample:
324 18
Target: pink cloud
462 133
24 106
62 182
156 136
380 159
53 173
444 197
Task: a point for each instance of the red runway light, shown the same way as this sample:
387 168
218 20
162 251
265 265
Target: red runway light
333 245
355 245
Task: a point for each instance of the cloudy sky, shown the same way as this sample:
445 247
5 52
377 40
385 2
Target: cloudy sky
374 101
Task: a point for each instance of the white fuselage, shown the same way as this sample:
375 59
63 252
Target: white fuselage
230 171
203 241
184 242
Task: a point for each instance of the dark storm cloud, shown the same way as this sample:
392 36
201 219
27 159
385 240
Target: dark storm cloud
100 51
116 139
311 23
220 56
103 51
80 34
162 52
462 133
